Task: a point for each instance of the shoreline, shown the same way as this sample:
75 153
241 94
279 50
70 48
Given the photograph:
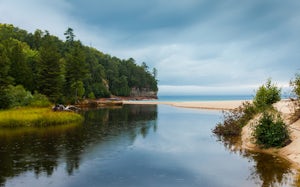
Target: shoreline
291 152
206 105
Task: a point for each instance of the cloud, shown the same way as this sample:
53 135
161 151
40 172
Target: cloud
206 44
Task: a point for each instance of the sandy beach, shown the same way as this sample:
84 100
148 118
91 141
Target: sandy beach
210 105
290 152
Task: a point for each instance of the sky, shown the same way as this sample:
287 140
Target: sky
199 47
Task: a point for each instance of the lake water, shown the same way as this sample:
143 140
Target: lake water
136 146
182 98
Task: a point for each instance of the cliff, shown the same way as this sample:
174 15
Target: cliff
143 93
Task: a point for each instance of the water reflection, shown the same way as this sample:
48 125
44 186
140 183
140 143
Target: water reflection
41 150
135 146
265 169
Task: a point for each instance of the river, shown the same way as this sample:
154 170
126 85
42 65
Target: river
136 145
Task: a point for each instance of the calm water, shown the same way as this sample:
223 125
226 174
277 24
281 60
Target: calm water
205 98
135 146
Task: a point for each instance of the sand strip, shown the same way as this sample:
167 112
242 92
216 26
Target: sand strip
211 105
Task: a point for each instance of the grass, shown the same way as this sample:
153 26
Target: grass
36 117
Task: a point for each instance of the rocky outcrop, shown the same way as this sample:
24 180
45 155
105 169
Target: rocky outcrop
144 92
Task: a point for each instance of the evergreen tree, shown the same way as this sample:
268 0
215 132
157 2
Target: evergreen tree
19 68
76 67
42 62
50 74
5 79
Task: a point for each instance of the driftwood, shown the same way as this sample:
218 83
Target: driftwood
69 108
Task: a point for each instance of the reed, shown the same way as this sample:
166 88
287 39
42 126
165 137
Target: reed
36 117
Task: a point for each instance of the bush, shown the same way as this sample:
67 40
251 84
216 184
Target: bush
15 96
18 96
271 131
91 95
295 84
4 99
235 120
266 95
39 100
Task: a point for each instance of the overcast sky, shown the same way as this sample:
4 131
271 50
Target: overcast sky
198 46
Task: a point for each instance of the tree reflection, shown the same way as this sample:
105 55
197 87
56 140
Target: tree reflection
270 170
42 150
267 170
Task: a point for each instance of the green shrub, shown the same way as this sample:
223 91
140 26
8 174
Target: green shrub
39 100
4 99
271 131
295 84
18 96
15 96
266 95
235 120
91 95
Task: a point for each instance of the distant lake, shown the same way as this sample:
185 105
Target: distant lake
136 146
204 98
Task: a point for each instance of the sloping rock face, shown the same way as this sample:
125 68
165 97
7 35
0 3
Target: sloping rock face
144 92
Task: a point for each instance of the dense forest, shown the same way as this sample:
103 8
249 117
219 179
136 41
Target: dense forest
65 71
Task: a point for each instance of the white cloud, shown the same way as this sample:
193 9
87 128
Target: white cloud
200 43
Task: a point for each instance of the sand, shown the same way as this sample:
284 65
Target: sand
211 105
290 152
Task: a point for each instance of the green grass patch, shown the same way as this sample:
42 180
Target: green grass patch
36 117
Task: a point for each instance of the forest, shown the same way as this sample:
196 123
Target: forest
64 71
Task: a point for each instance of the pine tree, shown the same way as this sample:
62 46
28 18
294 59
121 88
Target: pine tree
50 74
5 80
76 67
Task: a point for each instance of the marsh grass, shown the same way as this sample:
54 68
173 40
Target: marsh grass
36 117
12 133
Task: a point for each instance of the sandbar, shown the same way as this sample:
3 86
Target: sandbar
208 105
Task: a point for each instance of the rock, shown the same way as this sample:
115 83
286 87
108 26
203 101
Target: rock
144 92
70 108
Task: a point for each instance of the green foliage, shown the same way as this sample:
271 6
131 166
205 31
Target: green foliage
266 95
91 95
42 62
4 99
78 90
49 75
235 120
18 96
5 79
271 131
21 71
295 84
39 100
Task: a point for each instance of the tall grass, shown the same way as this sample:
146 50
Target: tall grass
36 117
